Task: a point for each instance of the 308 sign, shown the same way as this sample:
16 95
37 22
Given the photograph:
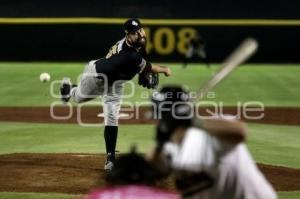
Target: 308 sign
165 40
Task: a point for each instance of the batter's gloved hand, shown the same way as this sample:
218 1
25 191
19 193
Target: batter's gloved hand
149 79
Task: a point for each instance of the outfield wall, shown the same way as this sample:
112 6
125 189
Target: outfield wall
77 30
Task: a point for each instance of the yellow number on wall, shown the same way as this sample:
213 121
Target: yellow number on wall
184 36
149 41
165 40
170 41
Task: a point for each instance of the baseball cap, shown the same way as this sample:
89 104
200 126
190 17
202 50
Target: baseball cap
132 25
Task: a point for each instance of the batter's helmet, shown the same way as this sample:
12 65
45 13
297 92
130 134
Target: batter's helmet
172 107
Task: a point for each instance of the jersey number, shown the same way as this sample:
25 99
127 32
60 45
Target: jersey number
112 51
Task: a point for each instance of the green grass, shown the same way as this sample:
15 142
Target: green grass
289 195
275 144
270 144
12 195
46 138
274 85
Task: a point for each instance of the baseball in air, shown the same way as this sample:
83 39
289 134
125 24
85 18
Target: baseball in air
45 77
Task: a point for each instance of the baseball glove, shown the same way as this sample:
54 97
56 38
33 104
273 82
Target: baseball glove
149 79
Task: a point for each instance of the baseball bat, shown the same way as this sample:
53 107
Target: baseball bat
243 52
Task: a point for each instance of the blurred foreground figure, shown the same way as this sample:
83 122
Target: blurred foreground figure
208 157
132 178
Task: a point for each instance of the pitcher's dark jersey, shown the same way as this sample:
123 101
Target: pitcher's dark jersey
122 62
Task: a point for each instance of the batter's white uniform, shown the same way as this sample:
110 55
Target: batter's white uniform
235 174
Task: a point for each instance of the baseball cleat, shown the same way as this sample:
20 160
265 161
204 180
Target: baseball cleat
109 165
65 89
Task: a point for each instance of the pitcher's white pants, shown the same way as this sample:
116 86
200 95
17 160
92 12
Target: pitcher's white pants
91 87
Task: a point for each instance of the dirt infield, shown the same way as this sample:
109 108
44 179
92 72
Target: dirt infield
87 115
79 173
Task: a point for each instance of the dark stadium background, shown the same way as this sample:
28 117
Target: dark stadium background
279 42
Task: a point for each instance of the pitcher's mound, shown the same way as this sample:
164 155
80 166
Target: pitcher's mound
79 173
